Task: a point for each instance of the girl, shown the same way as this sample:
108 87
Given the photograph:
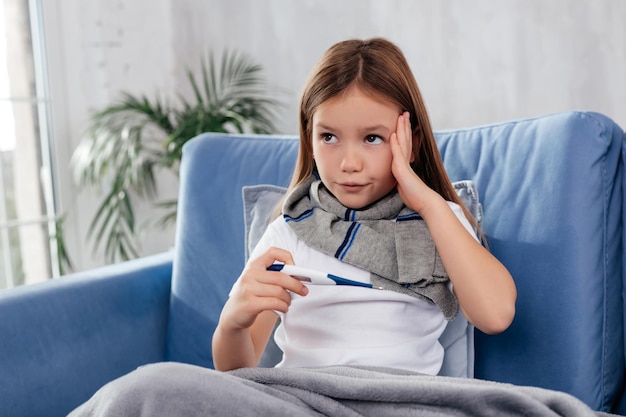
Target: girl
369 200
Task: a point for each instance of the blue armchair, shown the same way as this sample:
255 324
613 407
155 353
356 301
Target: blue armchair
552 190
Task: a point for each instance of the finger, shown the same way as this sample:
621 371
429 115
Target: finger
408 136
294 285
258 305
273 304
264 283
281 303
259 282
271 256
280 285
269 284
274 254
253 297
400 148
407 124
401 137
287 282
398 158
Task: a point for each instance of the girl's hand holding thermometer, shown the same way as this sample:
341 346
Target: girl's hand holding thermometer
314 277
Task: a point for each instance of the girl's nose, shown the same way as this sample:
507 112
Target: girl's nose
351 160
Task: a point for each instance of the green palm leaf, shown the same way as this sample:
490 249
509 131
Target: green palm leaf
129 141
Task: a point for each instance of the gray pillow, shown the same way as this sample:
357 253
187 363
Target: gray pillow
259 204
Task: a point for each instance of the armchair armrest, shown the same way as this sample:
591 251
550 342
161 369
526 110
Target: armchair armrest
63 339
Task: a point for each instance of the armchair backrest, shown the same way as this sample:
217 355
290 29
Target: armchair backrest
552 195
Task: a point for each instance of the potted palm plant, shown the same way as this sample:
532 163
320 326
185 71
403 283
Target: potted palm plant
128 142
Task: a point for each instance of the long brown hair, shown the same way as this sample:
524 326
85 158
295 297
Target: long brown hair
379 67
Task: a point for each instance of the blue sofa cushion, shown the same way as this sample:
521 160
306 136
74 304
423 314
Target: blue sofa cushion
259 206
552 195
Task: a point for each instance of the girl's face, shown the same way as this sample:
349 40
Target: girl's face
351 146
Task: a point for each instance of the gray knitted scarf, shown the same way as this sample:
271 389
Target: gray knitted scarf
387 239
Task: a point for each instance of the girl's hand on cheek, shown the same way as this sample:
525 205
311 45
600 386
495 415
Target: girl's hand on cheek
258 290
413 191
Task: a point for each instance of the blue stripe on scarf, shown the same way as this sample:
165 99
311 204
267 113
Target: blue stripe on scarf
347 241
349 215
358 226
305 215
407 217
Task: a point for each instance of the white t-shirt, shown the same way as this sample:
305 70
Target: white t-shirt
345 325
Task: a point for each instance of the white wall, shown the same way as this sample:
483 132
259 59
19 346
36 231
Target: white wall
477 61
95 50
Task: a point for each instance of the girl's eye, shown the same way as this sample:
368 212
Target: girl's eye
328 138
374 140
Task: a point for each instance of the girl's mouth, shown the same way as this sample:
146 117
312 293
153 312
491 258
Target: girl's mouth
351 186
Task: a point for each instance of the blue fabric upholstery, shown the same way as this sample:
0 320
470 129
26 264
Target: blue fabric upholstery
552 194
552 197
63 339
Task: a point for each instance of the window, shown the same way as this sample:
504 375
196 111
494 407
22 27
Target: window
28 250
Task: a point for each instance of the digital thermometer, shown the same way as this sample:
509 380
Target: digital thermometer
314 277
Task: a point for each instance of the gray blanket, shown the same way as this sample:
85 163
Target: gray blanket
171 389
